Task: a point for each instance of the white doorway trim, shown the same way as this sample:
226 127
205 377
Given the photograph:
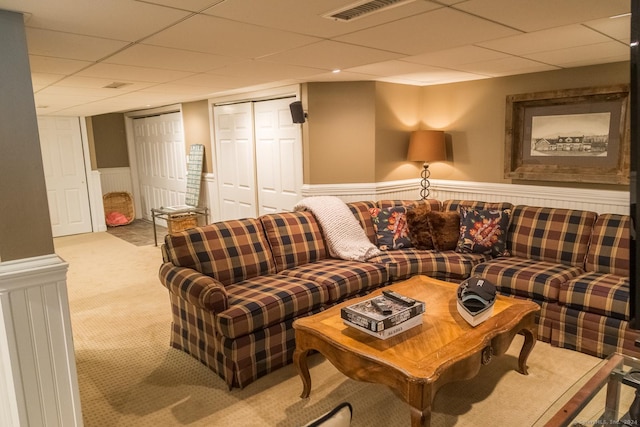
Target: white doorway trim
131 149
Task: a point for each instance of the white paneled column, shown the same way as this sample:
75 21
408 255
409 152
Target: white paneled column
38 379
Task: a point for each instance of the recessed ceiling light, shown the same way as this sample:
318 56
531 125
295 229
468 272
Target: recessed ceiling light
336 71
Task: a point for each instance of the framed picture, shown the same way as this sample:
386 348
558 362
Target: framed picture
574 135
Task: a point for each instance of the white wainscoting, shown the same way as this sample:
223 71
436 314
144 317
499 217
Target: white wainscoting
116 179
38 378
600 201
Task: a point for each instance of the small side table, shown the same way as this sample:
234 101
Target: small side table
167 213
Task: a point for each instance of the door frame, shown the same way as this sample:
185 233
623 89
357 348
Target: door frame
261 95
131 148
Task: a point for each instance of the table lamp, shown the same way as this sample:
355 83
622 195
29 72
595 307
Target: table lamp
426 146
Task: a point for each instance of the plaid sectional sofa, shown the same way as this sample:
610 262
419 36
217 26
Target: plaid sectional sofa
236 286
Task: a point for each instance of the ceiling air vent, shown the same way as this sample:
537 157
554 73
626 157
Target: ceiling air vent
363 8
115 85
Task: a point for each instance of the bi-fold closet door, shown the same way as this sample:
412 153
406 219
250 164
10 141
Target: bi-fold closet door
259 158
161 161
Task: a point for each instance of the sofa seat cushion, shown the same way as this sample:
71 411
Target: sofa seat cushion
537 280
604 294
445 265
342 278
263 301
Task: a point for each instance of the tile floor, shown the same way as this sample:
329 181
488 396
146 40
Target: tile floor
139 232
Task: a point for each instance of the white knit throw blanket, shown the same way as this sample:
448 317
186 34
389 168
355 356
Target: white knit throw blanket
345 237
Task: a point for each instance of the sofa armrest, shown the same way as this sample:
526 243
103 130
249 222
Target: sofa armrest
196 288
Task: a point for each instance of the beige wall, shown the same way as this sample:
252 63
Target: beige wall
25 226
358 132
109 141
341 133
473 116
197 129
397 114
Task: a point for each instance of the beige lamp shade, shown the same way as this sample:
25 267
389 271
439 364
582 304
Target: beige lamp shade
426 146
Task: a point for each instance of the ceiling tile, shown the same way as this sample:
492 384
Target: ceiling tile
48 64
128 73
143 55
42 80
306 17
427 79
436 30
330 55
92 87
191 5
343 76
541 14
456 56
214 82
541 41
96 18
70 46
223 37
612 51
389 68
506 67
619 27
264 70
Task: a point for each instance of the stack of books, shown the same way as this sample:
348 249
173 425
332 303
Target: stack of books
384 316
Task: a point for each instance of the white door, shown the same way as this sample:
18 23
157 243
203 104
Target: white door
65 175
278 156
235 158
161 160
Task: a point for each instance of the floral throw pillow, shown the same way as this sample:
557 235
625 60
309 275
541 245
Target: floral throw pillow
391 227
483 231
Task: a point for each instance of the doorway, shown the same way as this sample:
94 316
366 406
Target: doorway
65 175
160 161
259 158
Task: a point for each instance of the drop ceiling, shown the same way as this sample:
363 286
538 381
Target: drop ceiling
160 52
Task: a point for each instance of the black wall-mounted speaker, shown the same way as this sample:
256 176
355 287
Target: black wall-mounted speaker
297 114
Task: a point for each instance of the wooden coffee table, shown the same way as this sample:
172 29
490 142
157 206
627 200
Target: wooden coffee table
416 363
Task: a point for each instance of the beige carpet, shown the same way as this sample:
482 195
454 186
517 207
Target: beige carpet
129 376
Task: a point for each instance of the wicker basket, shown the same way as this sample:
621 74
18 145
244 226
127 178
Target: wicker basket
181 222
118 202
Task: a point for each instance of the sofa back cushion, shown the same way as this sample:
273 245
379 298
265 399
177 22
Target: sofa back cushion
229 251
550 234
454 205
362 212
388 203
609 247
294 237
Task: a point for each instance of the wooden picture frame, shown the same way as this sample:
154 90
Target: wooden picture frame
573 135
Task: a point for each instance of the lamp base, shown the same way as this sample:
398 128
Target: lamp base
424 182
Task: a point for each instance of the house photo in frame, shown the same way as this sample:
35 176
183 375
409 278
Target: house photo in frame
573 135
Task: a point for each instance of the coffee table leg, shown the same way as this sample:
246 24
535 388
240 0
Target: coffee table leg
300 362
529 342
420 418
